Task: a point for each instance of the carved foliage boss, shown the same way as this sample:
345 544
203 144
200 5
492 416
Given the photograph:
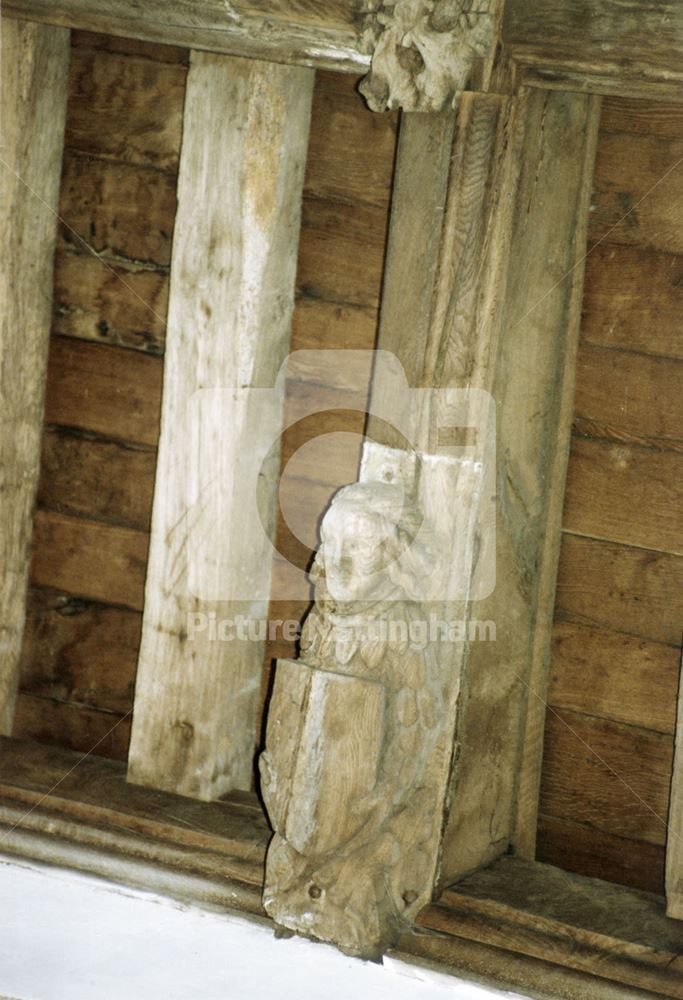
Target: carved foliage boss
423 51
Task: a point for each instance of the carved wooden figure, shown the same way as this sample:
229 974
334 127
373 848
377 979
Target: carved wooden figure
355 742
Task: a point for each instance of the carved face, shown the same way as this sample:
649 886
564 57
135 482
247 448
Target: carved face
355 545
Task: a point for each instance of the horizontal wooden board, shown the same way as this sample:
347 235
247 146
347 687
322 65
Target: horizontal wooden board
79 651
607 775
341 252
103 480
109 303
638 194
117 209
107 390
99 562
633 394
125 108
582 849
351 149
642 117
129 46
73 727
322 445
633 299
615 676
624 493
630 590
331 326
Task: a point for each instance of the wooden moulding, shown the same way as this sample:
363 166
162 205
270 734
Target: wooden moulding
517 924
319 33
229 326
629 47
35 61
482 291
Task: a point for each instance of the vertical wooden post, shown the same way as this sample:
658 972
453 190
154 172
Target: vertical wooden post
485 261
34 81
232 292
674 840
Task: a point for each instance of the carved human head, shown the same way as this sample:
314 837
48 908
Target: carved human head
373 545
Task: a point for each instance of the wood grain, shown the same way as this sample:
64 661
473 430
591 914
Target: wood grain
71 554
642 117
129 46
626 494
610 931
73 727
637 196
634 396
629 47
104 389
33 107
604 673
608 775
234 258
100 207
109 303
630 590
583 849
351 151
79 651
124 109
309 33
103 480
633 300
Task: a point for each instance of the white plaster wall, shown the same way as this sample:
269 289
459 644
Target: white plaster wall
66 936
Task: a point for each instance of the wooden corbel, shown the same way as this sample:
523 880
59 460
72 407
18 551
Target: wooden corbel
425 52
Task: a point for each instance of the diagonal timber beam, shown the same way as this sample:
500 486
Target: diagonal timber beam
231 299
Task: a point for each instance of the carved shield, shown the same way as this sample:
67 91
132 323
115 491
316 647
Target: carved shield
323 745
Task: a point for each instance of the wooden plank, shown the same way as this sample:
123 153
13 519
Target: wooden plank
234 261
129 46
109 303
308 33
32 113
101 204
626 494
607 930
623 114
75 727
674 844
638 196
102 480
629 47
629 590
113 826
125 109
615 676
80 652
102 389
633 300
351 152
587 851
608 775
633 397
342 252
69 553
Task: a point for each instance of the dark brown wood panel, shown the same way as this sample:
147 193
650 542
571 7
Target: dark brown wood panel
601 672
112 392
633 300
124 108
107 481
583 849
625 493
